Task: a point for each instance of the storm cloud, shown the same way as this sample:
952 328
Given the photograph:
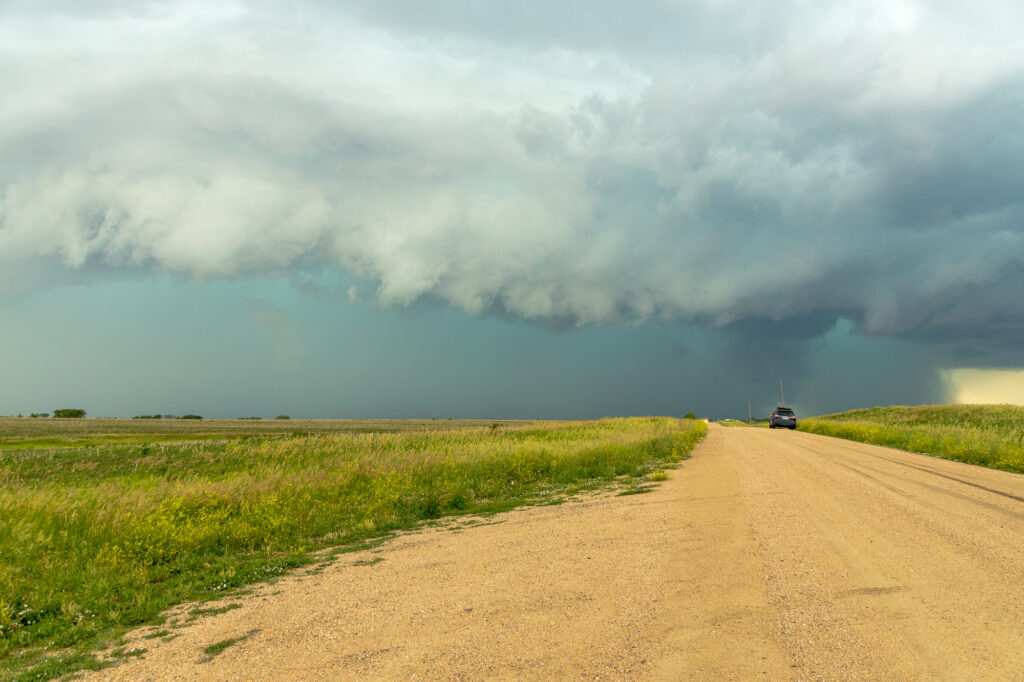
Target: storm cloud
563 163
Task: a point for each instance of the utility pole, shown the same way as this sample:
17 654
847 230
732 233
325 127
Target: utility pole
749 418
781 394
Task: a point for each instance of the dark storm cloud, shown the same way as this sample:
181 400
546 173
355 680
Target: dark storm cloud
566 163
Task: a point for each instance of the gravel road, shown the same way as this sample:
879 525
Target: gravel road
767 555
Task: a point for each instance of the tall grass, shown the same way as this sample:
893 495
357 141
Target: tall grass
986 435
94 540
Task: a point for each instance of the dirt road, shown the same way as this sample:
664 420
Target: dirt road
768 555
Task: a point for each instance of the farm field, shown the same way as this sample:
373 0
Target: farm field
986 435
108 523
44 433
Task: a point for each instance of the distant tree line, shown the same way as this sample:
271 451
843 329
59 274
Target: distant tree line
76 413
166 416
68 413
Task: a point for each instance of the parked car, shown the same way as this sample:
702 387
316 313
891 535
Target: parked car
782 416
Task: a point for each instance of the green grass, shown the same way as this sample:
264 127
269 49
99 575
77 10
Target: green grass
158 634
986 435
98 539
196 613
220 646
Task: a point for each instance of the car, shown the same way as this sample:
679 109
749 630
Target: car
782 416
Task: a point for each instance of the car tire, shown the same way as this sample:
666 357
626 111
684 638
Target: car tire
792 428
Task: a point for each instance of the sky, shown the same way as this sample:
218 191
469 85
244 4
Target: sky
514 209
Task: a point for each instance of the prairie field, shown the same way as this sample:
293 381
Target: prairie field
43 433
986 435
108 523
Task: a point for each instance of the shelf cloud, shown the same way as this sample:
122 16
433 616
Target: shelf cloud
571 164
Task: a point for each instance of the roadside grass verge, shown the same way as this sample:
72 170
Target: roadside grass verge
97 540
986 435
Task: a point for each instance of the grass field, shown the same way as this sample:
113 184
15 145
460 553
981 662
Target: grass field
986 435
46 433
127 517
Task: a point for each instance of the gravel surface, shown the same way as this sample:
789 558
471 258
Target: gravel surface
768 555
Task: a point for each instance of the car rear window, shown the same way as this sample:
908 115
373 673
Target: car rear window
784 410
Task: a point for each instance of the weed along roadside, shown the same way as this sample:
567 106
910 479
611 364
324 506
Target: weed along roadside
986 435
103 537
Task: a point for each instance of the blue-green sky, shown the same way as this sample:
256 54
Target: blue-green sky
510 209
262 347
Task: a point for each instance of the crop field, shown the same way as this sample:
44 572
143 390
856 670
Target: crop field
108 523
986 435
44 433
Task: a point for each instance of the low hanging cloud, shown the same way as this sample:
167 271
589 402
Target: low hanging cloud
571 163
